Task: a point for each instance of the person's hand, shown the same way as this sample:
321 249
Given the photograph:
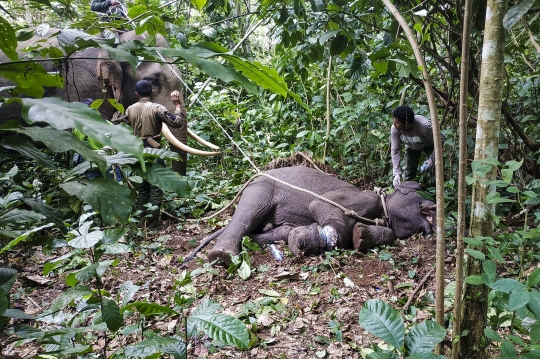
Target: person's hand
175 97
427 164
115 2
396 180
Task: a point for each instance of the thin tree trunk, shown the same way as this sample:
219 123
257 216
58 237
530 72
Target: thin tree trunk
487 142
462 188
327 108
439 286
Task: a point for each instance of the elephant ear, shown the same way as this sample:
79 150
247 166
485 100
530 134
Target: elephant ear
111 73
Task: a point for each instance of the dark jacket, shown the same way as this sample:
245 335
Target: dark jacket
105 7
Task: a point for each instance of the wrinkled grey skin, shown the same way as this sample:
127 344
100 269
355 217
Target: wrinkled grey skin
268 211
85 80
419 218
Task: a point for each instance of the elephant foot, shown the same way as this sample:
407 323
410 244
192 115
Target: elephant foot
223 250
367 237
221 256
305 241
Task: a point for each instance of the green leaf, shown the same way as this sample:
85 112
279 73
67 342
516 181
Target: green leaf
199 4
30 78
226 329
27 149
518 299
422 338
61 141
327 35
87 273
244 271
111 315
71 295
20 216
116 248
507 285
338 45
378 318
156 345
491 334
4 302
535 333
533 278
475 254
490 269
475 280
106 196
263 76
507 175
164 154
66 115
148 308
23 237
51 213
7 279
8 40
16 313
164 178
86 240
516 12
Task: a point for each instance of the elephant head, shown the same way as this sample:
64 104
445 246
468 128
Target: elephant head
409 212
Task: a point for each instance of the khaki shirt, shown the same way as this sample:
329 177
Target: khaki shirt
146 117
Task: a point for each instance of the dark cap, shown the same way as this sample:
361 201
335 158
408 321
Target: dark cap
143 88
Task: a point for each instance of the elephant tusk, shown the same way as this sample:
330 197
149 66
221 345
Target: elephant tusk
175 142
202 141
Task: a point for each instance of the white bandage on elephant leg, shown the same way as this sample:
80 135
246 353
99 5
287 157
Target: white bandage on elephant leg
329 236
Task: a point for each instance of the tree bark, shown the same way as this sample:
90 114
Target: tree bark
462 186
487 141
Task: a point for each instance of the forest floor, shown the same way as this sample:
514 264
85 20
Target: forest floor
299 307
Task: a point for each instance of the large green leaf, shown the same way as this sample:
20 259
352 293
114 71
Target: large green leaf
86 240
30 78
378 318
515 13
111 315
7 278
20 216
23 237
507 285
110 199
51 213
422 338
61 141
207 307
4 302
210 67
226 329
65 115
8 40
146 308
27 149
155 345
68 296
164 178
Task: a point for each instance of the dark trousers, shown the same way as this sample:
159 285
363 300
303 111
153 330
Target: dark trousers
148 193
412 158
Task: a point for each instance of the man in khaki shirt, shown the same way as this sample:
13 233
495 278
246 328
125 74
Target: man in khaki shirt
145 118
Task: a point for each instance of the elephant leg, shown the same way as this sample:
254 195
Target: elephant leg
306 240
254 206
367 237
273 235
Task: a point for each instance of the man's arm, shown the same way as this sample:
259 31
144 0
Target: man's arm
395 146
178 119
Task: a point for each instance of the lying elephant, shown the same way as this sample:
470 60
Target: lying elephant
270 211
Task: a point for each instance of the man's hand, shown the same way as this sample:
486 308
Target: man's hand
175 98
115 2
427 164
396 180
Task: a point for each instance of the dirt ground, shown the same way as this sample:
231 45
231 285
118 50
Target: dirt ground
299 307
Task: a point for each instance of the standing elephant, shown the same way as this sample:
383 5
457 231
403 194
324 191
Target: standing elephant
270 211
89 74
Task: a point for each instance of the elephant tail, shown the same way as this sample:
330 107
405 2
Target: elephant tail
203 244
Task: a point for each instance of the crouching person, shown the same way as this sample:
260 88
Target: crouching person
145 118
